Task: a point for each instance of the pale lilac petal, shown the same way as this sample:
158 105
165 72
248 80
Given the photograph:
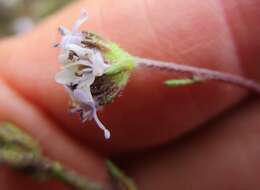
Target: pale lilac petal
68 76
98 62
70 39
63 57
82 18
65 76
80 51
83 96
86 103
85 81
83 62
87 70
63 30
90 109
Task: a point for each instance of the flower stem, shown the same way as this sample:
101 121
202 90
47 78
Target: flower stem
202 73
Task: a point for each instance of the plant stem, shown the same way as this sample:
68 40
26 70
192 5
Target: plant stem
205 74
121 181
20 151
69 177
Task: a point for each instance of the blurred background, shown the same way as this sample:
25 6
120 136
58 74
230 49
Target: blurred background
18 16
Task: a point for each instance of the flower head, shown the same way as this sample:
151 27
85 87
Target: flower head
93 72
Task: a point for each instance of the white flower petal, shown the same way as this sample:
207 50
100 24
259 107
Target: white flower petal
63 57
84 81
70 39
63 30
84 62
65 76
80 51
83 95
86 70
81 19
75 65
98 62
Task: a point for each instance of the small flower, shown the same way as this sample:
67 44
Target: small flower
94 71
81 67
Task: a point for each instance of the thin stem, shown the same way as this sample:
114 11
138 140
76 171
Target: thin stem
20 151
205 74
183 82
119 178
71 178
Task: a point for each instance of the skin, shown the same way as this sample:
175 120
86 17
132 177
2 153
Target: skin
217 34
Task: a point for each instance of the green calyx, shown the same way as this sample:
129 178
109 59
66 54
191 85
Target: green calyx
115 78
121 67
122 62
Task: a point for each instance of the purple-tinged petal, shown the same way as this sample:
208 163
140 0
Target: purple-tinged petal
98 62
63 30
85 82
83 96
63 57
89 109
81 19
70 39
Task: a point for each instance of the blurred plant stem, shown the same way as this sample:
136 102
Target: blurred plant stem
120 180
21 152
